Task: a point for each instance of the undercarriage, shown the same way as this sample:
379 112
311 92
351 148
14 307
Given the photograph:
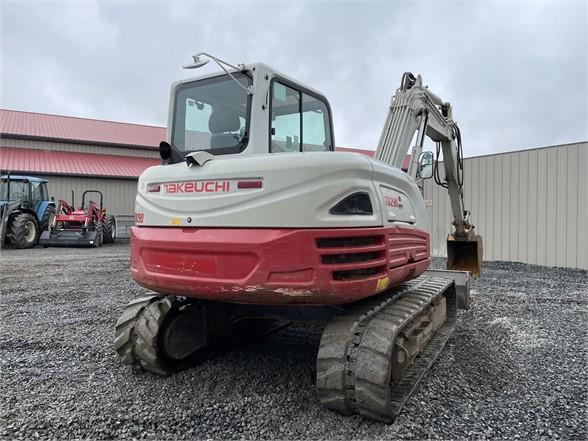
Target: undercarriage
372 353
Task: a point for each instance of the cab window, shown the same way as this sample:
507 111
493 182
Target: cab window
299 121
211 115
18 190
37 193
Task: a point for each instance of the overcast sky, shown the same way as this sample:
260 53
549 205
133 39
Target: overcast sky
515 72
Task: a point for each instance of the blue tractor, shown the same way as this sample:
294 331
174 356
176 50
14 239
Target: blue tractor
25 210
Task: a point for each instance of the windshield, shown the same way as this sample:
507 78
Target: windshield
212 115
18 190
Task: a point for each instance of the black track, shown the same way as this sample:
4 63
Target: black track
355 355
138 334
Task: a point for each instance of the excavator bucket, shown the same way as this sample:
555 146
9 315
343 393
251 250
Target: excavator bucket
465 254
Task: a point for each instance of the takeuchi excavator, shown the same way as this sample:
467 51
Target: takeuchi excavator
253 220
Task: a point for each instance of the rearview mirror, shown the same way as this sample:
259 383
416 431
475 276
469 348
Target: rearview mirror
165 150
425 168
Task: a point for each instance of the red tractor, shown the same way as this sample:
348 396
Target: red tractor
87 226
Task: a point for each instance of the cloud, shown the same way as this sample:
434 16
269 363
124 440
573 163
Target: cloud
515 72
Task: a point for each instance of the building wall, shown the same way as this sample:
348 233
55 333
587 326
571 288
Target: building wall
81 148
119 194
529 206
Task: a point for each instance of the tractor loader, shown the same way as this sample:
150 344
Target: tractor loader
254 220
87 226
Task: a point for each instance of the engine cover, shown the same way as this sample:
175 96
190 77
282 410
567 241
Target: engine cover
277 190
263 229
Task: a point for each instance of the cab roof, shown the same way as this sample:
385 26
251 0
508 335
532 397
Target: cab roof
22 178
250 67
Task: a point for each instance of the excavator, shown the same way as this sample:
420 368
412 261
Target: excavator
253 220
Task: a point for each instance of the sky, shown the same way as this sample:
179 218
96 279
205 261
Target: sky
515 72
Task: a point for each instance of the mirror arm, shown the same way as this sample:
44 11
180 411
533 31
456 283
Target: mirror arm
240 68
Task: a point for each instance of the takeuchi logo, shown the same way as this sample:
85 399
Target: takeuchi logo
198 187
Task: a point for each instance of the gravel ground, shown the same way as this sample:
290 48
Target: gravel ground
515 367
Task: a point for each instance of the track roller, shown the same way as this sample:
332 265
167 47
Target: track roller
372 357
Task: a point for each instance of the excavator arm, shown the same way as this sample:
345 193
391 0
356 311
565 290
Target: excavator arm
415 109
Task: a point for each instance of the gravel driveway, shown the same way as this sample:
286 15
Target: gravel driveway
515 368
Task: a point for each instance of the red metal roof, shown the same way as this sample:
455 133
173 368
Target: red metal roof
72 163
66 128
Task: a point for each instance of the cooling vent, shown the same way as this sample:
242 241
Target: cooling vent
353 258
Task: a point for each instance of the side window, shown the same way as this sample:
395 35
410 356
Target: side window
285 127
44 192
315 125
37 194
299 121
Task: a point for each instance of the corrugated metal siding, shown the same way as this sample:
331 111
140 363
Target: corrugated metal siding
529 206
119 194
80 148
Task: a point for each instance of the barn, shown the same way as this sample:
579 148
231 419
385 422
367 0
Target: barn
77 154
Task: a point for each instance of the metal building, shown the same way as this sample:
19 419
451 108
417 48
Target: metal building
529 206
79 154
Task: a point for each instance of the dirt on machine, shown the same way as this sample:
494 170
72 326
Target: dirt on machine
87 226
253 220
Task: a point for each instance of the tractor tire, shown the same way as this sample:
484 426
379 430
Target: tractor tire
109 229
23 231
124 334
99 235
44 222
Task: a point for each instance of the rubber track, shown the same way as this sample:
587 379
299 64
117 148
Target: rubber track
147 330
355 354
125 335
137 333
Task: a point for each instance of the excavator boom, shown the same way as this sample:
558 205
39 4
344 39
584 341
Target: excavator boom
414 108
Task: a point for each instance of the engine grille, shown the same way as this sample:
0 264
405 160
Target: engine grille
407 247
354 258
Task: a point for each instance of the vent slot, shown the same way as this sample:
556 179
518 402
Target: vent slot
357 273
344 242
351 257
